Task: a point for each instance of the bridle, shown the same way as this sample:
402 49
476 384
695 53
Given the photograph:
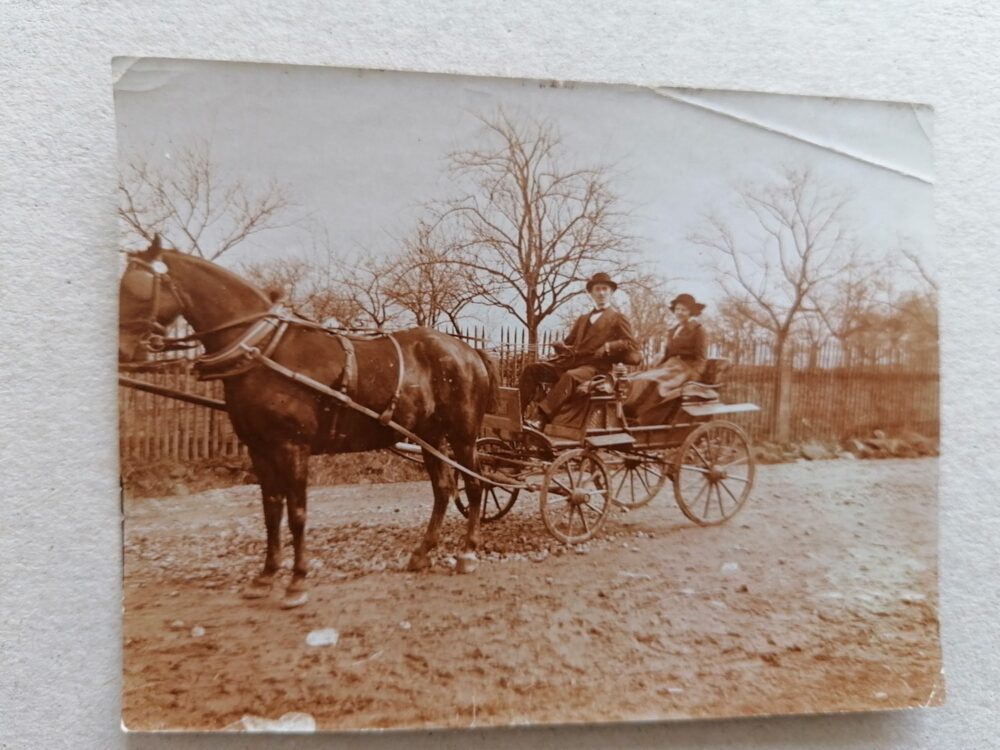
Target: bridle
154 339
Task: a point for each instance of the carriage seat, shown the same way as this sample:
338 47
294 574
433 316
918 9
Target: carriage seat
706 389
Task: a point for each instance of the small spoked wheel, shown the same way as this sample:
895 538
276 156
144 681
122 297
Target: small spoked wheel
497 501
575 497
636 478
713 473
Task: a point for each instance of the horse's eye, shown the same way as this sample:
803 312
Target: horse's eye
159 266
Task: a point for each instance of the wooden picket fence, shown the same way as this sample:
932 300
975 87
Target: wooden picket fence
829 400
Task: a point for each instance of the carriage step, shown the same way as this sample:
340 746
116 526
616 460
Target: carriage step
615 440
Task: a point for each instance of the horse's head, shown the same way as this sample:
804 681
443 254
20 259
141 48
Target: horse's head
148 302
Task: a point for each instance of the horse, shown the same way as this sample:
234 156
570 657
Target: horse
432 384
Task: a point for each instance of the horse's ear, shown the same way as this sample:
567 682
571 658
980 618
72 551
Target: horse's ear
155 246
275 295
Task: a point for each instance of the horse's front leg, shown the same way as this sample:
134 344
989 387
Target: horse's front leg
260 586
467 560
295 477
443 486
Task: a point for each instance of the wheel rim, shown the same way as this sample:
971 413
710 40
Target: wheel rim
713 473
635 479
575 497
496 501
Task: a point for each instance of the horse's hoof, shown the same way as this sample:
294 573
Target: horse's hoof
293 599
258 588
467 563
418 562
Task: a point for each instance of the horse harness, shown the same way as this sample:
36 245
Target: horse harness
257 345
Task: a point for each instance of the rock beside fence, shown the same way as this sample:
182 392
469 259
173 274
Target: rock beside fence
878 445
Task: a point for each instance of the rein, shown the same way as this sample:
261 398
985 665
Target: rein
255 347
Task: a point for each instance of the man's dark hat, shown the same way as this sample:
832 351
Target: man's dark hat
601 278
689 302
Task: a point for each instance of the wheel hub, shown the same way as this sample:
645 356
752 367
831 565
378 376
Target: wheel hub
579 497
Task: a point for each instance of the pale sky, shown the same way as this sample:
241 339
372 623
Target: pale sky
362 151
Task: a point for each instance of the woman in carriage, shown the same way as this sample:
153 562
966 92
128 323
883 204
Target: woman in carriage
683 360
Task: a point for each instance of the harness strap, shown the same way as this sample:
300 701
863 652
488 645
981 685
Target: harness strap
346 383
347 401
233 359
386 416
349 377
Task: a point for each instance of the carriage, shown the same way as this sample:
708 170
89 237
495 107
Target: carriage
293 389
595 457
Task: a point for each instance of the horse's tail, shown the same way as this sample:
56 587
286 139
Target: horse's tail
494 376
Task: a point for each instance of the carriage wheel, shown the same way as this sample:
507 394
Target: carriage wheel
497 501
575 497
636 478
713 473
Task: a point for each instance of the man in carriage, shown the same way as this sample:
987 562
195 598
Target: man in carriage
599 339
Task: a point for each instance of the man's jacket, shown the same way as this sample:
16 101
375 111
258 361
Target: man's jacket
605 342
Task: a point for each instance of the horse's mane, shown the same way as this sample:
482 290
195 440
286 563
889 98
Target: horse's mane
153 253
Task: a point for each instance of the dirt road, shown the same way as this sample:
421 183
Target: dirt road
819 596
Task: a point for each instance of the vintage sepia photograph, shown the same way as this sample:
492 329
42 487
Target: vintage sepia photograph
449 401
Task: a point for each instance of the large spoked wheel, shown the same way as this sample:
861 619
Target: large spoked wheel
713 473
497 501
575 497
636 478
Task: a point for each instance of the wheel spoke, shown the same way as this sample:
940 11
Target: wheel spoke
569 519
698 453
643 482
586 526
718 493
738 462
730 492
651 469
689 467
709 447
621 484
562 486
745 480
708 499
698 496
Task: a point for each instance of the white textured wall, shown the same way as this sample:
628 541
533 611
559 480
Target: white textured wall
59 535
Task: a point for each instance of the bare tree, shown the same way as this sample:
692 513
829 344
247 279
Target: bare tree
848 307
792 240
423 281
194 205
289 278
738 335
648 308
531 229
364 283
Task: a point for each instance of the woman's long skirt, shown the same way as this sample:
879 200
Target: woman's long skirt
653 390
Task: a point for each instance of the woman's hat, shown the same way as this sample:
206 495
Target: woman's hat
689 302
601 278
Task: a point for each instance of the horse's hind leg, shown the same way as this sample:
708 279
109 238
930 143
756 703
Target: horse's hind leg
273 498
294 470
443 486
465 453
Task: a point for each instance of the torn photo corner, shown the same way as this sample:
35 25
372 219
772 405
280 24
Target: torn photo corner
611 403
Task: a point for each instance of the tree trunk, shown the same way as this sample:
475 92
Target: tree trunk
781 413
